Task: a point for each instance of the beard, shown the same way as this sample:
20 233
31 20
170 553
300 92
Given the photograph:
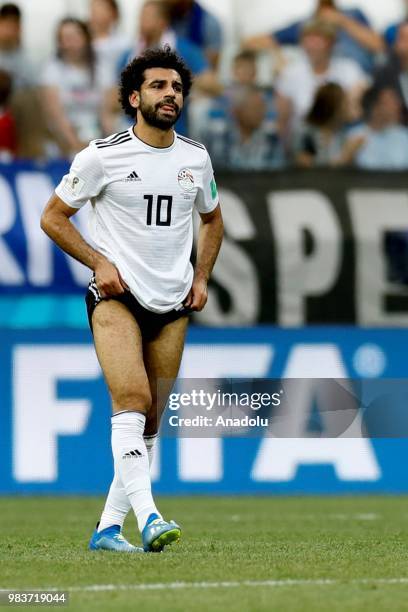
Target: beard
151 114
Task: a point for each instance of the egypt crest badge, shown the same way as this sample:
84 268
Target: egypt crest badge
186 179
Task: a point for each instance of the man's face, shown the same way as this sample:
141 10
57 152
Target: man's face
10 33
251 112
160 100
245 71
316 46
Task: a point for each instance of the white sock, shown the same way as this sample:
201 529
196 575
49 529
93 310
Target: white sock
150 442
117 505
132 463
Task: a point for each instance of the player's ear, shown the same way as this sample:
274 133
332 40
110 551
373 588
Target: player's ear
134 99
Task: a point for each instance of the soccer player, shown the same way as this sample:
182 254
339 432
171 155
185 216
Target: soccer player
143 184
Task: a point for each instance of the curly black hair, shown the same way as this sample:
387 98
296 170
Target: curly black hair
132 76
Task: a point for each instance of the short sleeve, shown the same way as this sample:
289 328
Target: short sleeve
207 197
85 180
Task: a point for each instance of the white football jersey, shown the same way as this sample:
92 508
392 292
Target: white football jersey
142 200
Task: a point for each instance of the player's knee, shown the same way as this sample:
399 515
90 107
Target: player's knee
139 400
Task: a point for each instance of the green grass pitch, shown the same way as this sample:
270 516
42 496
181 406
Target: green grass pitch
236 554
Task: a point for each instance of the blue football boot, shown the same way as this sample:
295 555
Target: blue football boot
112 539
157 534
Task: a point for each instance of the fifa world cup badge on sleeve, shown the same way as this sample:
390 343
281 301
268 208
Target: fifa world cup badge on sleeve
75 184
214 191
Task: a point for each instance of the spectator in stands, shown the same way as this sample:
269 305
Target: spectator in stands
108 42
24 102
72 88
12 57
190 20
248 138
8 133
244 68
394 74
215 115
155 31
320 140
355 37
390 34
244 74
382 142
299 81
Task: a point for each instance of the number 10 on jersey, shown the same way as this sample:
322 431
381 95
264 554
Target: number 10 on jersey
161 218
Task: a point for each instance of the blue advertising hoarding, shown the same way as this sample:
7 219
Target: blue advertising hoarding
55 426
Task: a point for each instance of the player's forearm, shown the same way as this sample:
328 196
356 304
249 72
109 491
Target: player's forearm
209 243
62 231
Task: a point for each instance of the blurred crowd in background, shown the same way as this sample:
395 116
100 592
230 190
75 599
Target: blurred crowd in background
337 93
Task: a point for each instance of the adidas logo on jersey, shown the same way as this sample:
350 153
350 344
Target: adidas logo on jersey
134 454
133 176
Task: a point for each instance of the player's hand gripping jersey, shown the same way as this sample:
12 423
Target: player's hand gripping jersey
142 201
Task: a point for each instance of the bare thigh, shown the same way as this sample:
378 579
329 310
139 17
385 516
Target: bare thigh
162 357
118 344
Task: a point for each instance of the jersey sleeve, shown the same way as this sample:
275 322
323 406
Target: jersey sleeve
207 197
85 180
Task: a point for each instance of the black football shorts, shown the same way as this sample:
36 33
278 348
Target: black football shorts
150 323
